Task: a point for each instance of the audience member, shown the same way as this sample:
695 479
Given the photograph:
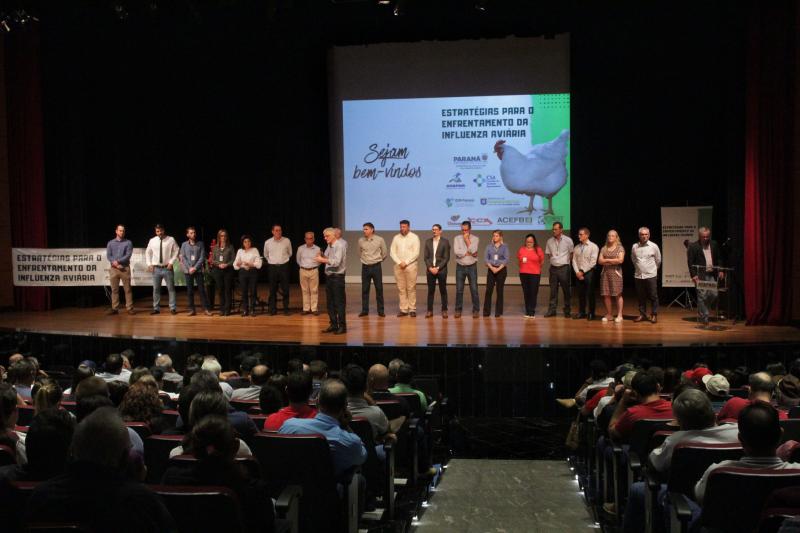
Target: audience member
319 373
164 361
788 391
113 369
378 389
8 421
92 394
210 364
258 376
641 402
138 373
117 391
82 372
355 380
95 491
672 377
47 447
298 389
717 388
204 404
332 421
142 404
394 366
48 394
403 379
271 399
776 370
22 375
761 389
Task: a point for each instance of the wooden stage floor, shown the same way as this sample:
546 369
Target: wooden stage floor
676 327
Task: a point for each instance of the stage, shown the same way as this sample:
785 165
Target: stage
488 367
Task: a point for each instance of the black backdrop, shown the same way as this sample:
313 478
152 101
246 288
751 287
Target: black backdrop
214 113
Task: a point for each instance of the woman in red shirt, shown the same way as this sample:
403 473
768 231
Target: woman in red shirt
531 258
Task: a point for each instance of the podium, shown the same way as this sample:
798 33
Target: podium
709 280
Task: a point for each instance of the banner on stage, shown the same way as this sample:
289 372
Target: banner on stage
75 267
679 227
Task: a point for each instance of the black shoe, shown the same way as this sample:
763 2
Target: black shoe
579 316
192 312
173 311
330 329
487 313
315 313
413 314
590 316
567 314
131 311
340 331
381 314
286 312
155 312
244 313
253 313
305 313
112 312
362 314
549 314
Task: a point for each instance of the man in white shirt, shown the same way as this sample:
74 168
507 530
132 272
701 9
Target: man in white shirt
646 258
584 263
161 254
405 254
465 248
277 252
309 274
559 250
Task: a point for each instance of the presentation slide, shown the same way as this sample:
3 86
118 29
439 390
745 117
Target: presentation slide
501 162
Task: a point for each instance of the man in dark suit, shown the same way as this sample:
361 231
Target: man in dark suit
437 255
702 256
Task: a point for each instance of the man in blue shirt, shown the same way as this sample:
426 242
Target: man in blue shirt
331 422
192 258
118 253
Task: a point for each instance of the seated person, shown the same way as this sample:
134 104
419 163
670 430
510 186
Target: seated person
641 402
599 378
207 403
47 447
22 374
762 388
319 373
84 370
92 394
95 491
298 388
164 362
8 422
142 404
114 369
718 390
205 380
788 391
403 379
48 395
259 376
213 442
271 398
332 421
355 379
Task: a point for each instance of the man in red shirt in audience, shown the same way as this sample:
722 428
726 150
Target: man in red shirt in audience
639 403
761 389
298 388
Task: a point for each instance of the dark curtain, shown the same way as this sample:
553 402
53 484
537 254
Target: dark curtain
26 155
768 163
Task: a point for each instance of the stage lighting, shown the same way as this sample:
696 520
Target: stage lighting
399 8
481 5
120 11
5 23
384 2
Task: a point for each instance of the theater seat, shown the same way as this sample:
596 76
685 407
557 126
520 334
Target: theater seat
379 475
8 455
734 498
243 405
407 449
156 454
791 429
249 464
202 509
141 428
25 415
412 399
258 420
305 461
170 417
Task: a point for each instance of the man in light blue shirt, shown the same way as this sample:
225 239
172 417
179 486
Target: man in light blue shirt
118 253
335 260
346 447
192 258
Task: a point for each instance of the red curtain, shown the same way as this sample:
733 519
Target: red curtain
26 154
768 162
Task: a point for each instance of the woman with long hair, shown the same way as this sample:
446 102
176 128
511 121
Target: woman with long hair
48 395
612 254
531 258
248 263
222 257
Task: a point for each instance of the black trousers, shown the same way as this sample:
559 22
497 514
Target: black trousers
586 292
223 282
647 289
499 280
278 274
559 275
334 291
530 291
441 279
197 279
372 273
248 281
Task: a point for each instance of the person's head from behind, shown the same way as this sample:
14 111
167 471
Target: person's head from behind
113 363
48 395
8 406
23 373
91 386
212 439
354 378
644 385
761 386
598 369
333 398
164 361
405 374
141 403
259 375
271 398
212 365
319 369
117 391
393 365
759 429
672 376
48 441
693 410
185 399
207 403
158 375
776 369
206 380
299 387
294 365
247 365
102 439
137 374
81 373
188 373
378 378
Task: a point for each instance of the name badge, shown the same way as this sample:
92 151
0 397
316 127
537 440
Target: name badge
220 258
524 259
496 257
193 258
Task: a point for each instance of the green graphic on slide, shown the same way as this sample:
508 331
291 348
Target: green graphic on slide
551 117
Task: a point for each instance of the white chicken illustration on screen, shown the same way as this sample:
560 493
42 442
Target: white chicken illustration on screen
542 171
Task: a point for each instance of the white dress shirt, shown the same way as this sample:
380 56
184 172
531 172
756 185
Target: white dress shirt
584 256
646 260
277 252
405 249
247 256
435 242
559 250
306 255
167 247
661 457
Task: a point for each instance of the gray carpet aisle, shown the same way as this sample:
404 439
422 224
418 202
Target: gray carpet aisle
505 496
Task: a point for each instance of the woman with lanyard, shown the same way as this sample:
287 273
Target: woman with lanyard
496 261
222 256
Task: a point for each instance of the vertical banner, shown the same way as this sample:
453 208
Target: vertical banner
679 228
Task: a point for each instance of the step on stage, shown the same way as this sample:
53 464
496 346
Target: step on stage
494 363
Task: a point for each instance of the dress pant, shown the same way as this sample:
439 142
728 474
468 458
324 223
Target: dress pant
309 288
530 291
407 286
706 299
167 274
441 278
115 276
647 289
471 273
373 273
278 274
559 275
248 281
334 291
499 280
223 282
586 292
199 279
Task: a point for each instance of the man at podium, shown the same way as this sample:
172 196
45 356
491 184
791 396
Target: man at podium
704 260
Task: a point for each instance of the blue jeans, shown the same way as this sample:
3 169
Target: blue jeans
706 299
160 273
471 272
